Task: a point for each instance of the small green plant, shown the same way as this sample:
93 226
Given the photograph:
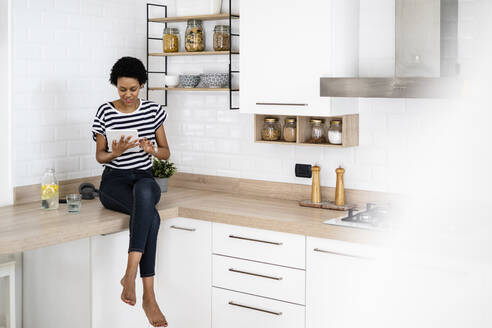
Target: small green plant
163 169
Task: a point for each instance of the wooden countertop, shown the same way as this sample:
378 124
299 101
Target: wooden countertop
26 226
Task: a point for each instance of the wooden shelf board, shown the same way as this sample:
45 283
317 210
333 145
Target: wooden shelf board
197 53
185 18
299 144
323 145
276 142
192 89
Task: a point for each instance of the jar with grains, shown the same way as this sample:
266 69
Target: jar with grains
271 129
170 39
335 132
195 38
317 131
290 129
222 38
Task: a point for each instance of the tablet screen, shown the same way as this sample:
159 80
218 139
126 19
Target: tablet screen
116 135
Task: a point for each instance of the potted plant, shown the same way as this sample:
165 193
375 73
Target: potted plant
162 171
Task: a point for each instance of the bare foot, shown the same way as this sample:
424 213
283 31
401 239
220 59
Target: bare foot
154 314
128 293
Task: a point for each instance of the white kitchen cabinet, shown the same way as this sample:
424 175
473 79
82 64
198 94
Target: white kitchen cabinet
337 283
266 246
274 281
184 272
109 254
232 309
7 295
57 287
287 45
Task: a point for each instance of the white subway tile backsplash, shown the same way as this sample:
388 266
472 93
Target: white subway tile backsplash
68 133
228 146
53 117
63 53
40 36
193 130
66 165
203 145
53 150
41 69
68 6
89 162
371 156
39 5
229 173
79 147
42 134
89 8
217 130
38 167
215 161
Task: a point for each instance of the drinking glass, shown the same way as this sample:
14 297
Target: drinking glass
73 203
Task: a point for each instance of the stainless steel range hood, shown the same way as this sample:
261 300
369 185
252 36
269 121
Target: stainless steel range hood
426 54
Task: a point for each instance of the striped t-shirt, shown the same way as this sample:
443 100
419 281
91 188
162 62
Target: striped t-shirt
147 118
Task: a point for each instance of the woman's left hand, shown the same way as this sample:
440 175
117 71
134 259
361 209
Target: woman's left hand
147 146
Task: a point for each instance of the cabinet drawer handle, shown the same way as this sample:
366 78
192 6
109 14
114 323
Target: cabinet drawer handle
340 254
279 104
181 228
255 274
254 308
256 240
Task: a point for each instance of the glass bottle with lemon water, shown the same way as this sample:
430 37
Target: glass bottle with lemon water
49 190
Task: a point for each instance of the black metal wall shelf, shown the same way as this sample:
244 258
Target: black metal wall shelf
228 16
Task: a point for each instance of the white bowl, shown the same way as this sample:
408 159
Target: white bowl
171 80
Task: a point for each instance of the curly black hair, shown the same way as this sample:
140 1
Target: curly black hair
128 67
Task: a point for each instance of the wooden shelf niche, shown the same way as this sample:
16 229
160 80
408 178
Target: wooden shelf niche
185 18
350 129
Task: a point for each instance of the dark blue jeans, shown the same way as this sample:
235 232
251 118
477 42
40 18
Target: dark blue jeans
135 192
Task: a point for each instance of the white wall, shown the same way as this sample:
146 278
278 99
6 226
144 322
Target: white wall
63 53
6 195
207 138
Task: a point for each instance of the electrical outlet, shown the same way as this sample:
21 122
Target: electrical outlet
304 171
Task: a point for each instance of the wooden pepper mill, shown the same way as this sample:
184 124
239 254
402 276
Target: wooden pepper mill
340 192
315 187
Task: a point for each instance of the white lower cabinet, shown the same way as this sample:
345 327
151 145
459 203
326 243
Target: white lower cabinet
267 246
336 283
238 310
184 272
57 287
247 279
109 254
77 284
281 283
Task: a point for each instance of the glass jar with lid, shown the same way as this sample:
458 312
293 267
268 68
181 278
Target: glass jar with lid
271 129
222 39
317 131
195 38
49 190
290 129
335 132
170 39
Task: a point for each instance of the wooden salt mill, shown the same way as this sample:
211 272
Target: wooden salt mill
339 191
315 187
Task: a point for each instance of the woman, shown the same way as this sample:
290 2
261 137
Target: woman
127 183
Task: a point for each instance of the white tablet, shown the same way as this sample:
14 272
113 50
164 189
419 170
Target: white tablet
116 135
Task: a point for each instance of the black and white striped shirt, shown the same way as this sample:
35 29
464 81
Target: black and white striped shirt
147 118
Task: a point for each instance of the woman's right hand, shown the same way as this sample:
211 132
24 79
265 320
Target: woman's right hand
118 148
